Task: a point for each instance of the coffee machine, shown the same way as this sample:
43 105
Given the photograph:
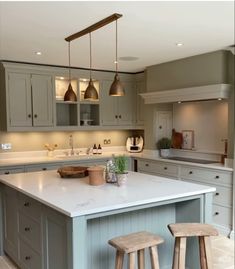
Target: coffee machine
134 144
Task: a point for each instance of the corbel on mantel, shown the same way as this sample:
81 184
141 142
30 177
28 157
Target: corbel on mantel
200 93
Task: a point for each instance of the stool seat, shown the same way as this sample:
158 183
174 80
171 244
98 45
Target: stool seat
135 241
192 229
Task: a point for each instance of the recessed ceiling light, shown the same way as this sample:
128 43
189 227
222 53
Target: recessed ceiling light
38 53
128 58
179 44
219 99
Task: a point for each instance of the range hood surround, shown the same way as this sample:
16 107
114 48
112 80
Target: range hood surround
200 93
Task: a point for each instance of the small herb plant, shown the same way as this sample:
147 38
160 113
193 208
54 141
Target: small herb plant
164 143
120 164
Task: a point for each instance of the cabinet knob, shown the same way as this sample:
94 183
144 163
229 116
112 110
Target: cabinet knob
116 116
44 168
7 173
35 116
26 204
27 258
216 213
146 164
27 229
217 194
217 177
29 116
165 168
190 172
120 116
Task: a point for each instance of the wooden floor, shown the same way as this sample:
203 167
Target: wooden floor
223 250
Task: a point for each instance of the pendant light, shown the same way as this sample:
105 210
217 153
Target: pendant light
91 92
70 95
116 88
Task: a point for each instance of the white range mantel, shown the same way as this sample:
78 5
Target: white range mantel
207 92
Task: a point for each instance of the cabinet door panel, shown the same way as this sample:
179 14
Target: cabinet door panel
140 103
19 99
109 111
42 100
126 105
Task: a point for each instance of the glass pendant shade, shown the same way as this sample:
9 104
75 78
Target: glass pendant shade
91 92
116 88
70 95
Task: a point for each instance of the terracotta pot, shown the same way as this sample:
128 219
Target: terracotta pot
96 175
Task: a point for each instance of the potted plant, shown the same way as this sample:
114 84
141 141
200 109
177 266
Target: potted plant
121 169
164 145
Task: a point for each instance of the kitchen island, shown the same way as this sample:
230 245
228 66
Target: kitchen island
54 223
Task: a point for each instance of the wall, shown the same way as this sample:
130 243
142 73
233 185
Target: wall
209 120
35 141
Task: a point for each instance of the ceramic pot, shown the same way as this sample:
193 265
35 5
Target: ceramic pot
121 178
164 153
96 175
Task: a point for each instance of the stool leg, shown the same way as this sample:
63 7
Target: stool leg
179 253
205 252
154 257
119 259
141 262
131 260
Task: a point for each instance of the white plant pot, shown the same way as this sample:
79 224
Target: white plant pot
121 178
164 153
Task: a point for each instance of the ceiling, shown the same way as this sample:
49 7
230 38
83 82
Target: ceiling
147 30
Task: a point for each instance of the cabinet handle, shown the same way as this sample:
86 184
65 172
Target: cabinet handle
216 213
27 229
190 172
27 258
146 164
116 116
44 168
120 116
217 194
26 204
35 115
217 177
29 116
165 168
7 173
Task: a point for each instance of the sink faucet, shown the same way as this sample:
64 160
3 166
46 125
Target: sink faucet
71 144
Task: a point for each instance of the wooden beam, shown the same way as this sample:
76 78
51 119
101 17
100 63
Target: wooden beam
94 27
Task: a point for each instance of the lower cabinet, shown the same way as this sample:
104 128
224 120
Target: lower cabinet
35 236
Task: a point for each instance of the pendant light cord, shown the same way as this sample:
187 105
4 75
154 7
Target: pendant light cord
90 55
69 62
116 48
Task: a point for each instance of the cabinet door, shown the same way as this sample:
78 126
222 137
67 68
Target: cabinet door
19 94
109 111
140 88
10 223
126 105
42 100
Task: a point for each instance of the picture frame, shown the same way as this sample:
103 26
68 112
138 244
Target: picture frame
188 139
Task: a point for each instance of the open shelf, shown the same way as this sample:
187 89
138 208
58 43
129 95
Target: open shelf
61 86
83 83
66 114
89 114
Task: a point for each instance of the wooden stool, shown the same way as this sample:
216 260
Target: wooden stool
131 243
183 230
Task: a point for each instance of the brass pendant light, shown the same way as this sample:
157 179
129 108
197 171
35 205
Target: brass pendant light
116 88
91 92
70 95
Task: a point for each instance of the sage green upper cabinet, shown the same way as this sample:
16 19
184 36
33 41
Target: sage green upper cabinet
118 110
30 100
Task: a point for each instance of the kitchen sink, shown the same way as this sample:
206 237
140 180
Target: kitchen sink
191 160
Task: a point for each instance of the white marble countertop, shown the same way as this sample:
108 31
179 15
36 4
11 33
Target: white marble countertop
75 197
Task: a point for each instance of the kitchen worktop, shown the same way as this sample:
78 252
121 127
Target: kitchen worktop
75 197
27 159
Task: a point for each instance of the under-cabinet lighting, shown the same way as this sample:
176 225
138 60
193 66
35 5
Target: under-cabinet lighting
38 53
62 78
219 99
179 102
179 44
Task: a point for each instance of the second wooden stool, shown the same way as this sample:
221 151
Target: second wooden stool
136 242
183 230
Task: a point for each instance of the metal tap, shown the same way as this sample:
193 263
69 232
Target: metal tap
71 145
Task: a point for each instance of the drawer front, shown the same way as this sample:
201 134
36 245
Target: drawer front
223 196
11 171
29 207
30 231
158 168
45 167
203 175
29 259
222 216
